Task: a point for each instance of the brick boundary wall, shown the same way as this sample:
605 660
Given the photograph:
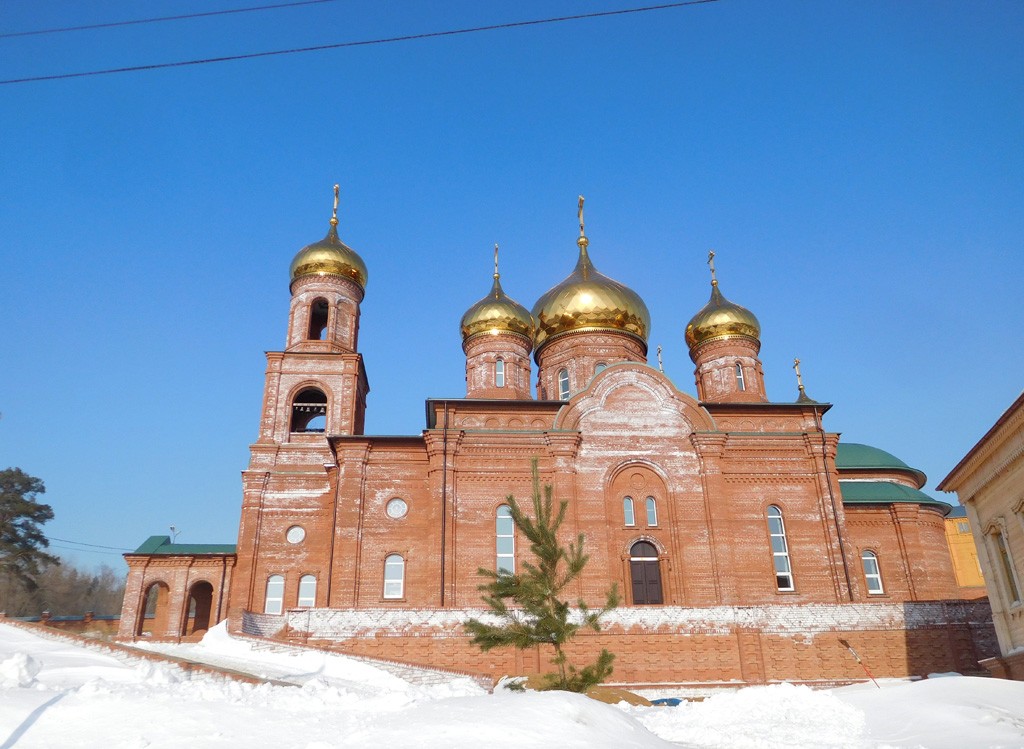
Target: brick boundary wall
667 645
116 649
416 673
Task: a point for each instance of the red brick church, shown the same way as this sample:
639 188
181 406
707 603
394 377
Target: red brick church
749 542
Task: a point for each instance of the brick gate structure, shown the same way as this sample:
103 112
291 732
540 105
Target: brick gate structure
747 539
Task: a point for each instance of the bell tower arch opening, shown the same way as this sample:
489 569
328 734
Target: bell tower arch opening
309 411
319 313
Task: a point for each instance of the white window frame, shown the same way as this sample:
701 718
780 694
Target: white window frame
651 505
872 572
504 528
781 564
274 600
740 382
563 384
628 512
499 372
394 576
307 592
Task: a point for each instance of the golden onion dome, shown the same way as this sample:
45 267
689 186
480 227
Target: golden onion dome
330 257
720 319
589 301
498 313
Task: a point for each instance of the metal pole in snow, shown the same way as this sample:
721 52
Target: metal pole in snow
856 657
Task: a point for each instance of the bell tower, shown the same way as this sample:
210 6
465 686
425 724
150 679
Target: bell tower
315 388
318 383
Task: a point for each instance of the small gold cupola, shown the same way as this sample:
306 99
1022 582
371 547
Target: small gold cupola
589 301
497 313
330 257
721 319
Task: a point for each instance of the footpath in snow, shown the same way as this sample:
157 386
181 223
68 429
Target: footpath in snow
57 694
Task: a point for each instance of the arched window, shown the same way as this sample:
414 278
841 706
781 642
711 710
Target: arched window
563 384
645 573
318 313
309 411
394 576
275 595
1005 564
872 572
627 511
780 549
307 592
740 384
652 511
499 373
505 535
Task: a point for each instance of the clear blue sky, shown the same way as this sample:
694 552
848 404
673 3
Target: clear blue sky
858 167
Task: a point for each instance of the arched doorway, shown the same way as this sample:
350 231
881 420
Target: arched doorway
200 604
645 573
153 615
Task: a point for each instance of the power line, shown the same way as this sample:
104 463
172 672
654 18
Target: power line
86 551
112 24
364 43
82 543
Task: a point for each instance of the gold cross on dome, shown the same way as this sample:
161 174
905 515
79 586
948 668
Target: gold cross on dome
580 214
334 215
711 264
495 260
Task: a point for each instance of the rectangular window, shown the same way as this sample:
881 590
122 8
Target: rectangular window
780 550
505 541
652 512
872 573
394 576
307 592
563 384
962 526
275 595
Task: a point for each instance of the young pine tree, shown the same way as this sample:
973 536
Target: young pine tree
529 602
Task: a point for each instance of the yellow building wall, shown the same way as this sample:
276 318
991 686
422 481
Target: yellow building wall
964 553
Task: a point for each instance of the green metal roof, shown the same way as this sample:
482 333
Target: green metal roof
163 545
854 455
886 492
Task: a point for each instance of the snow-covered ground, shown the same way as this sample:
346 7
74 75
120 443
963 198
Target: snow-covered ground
57 694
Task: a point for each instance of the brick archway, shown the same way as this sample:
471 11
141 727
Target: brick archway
200 608
155 606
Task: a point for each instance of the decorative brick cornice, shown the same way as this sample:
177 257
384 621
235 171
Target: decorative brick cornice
795 478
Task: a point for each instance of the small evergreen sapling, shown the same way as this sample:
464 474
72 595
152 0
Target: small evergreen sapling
529 602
